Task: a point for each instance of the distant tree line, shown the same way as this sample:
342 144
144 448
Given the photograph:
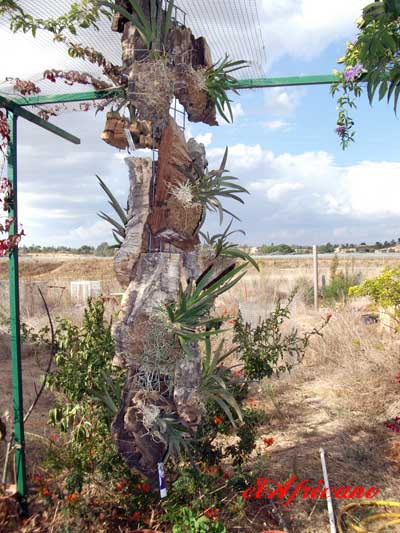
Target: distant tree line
283 249
102 250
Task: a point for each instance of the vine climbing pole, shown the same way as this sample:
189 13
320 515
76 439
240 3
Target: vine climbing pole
13 112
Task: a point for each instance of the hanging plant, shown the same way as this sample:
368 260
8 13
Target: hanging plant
153 29
219 81
206 187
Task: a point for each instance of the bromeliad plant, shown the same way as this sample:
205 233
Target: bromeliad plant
214 381
189 316
119 227
373 57
152 29
206 187
219 81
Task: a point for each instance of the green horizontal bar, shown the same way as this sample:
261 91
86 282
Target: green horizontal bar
259 83
27 115
70 97
255 83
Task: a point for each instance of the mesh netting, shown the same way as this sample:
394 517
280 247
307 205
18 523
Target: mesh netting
230 26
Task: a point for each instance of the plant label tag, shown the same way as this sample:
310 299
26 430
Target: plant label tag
162 480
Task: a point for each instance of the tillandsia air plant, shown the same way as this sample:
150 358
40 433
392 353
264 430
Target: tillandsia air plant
219 81
207 186
223 248
373 57
119 227
152 29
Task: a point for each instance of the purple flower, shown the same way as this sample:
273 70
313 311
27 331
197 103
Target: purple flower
353 72
341 130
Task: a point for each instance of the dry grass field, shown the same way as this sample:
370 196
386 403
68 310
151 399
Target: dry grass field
338 398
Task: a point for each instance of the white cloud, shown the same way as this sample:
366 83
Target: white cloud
312 182
205 139
237 111
302 29
280 101
276 124
278 191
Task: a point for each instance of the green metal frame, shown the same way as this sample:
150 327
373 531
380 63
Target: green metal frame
13 277
255 83
15 108
13 112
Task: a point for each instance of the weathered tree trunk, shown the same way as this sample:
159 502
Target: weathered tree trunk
151 278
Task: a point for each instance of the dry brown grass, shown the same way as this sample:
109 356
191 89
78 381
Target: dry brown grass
339 398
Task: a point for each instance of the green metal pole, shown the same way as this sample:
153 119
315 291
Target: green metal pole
19 436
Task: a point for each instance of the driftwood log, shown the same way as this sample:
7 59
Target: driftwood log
151 277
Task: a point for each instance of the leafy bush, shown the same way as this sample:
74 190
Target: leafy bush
338 288
265 350
384 290
339 283
88 389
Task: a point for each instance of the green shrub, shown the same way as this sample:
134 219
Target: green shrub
384 290
265 350
87 389
338 288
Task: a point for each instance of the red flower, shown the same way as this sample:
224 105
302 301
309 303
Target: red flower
226 475
72 497
217 420
53 438
268 441
211 513
145 487
135 517
238 373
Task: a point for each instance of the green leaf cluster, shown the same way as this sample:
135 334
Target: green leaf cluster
189 316
223 248
119 226
83 14
188 522
87 388
214 385
384 290
219 81
152 29
265 350
377 49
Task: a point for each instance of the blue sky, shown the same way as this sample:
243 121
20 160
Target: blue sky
283 146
